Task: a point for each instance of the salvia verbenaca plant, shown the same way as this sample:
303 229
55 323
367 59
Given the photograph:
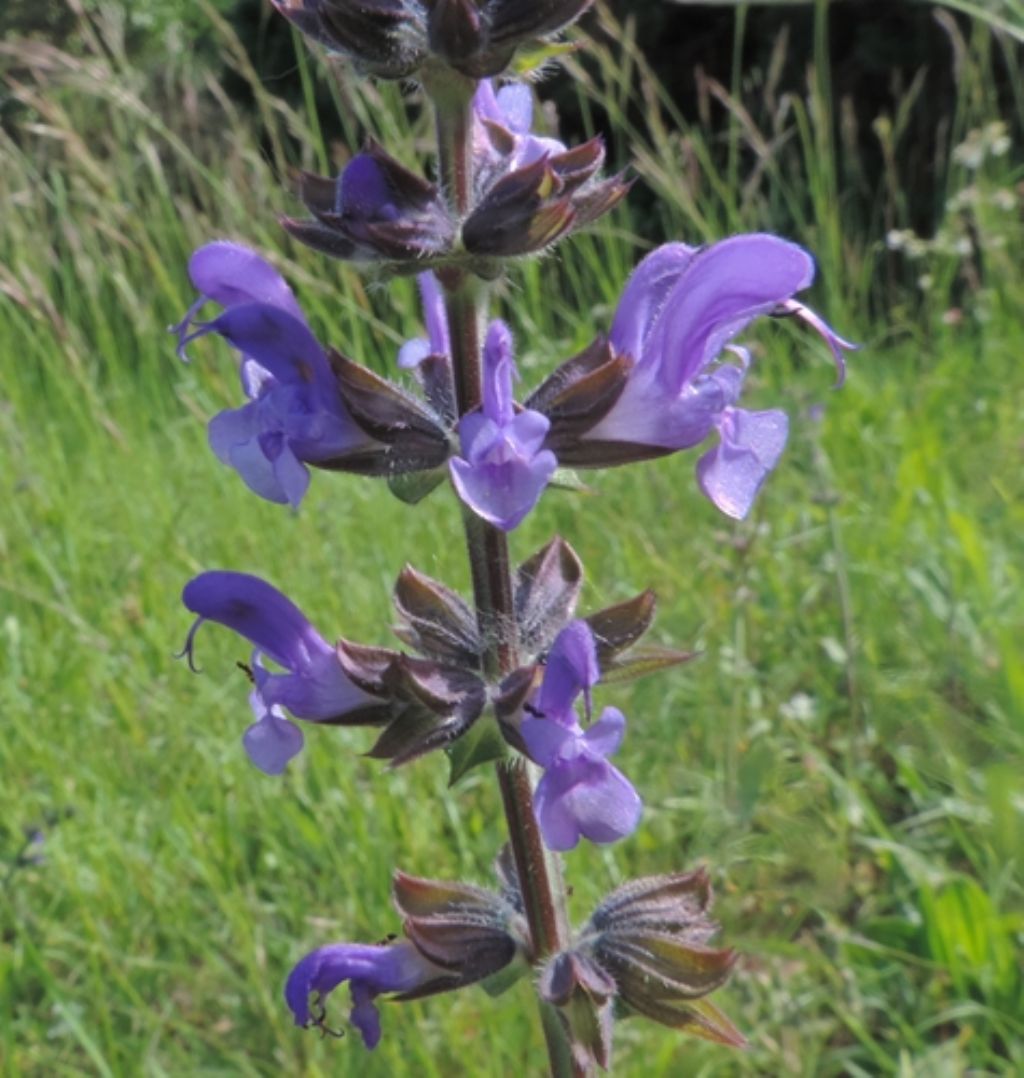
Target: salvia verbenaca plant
507 678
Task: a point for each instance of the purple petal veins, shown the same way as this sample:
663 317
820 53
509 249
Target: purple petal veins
580 794
680 310
503 468
370 969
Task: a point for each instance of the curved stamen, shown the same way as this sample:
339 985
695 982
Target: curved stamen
791 308
187 652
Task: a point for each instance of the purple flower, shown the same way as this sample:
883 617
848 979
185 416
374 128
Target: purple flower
504 118
315 686
680 310
294 415
437 342
370 969
580 793
504 468
528 190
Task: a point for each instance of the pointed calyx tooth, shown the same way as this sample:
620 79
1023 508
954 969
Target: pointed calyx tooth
436 621
509 699
678 899
518 20
432 705
413 437
455 30
366 665
578 394
568 972
415 896
619 627
616 630
378 35
651 937
547 587
470 931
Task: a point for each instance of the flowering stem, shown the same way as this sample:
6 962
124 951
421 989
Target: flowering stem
539 870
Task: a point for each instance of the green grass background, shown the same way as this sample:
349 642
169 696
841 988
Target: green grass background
846 756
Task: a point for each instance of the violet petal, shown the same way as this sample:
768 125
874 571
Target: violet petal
731 474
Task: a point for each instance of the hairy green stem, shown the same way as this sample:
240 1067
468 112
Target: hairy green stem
539 870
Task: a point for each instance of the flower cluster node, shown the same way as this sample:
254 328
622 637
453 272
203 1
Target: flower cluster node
391 39
528 192
651 937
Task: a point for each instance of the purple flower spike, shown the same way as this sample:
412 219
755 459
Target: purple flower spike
370 969
503 469
294 416
580 793
680 311
315 686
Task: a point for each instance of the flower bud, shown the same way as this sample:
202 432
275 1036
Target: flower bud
515 21
436 621
532 206
433 705
651 936
375 211
381 37
547 587
455 31
472 932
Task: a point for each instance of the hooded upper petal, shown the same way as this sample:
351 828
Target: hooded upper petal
280 343
722 289
680 309
231 274
256 610
370 968
644 296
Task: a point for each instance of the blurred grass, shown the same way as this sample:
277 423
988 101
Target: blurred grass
846 756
